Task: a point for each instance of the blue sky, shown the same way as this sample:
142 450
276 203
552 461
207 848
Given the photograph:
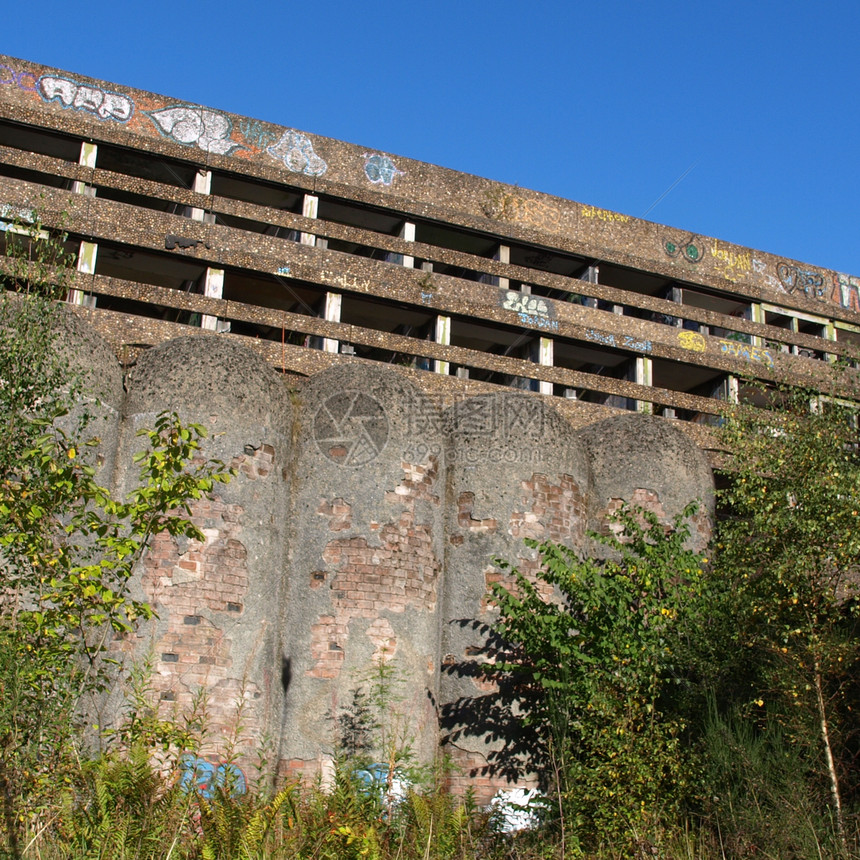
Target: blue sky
740 120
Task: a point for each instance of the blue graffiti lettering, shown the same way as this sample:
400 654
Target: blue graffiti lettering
380 169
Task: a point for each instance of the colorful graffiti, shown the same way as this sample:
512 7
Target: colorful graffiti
23 80
296 151
380 169
71 94
846 290
808 282
843 290
205 778
208 130
256 133
743 350
686 249
692 340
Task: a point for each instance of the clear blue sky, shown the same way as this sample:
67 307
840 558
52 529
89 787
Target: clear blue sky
608 102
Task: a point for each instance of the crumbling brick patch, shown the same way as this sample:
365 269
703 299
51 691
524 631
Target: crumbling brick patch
641 497
328 641
465 519
381 634
399 573
198 587
550 511
339 513
417 484
255 463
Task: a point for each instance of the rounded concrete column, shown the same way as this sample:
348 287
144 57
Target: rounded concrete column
218 601
645 461
365 566
516 470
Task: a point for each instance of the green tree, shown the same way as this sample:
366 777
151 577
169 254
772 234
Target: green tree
68 546
599 668
789 547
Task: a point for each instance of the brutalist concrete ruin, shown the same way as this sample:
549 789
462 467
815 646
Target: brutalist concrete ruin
410 370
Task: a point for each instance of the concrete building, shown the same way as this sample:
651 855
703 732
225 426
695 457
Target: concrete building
411 370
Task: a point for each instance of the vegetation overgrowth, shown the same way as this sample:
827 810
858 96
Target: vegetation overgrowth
677 703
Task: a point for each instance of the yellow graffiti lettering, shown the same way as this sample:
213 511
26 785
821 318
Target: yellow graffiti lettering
603 214
731 264
692 340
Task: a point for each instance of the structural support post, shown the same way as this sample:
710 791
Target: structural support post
89 153
214 289
545 358
310 209
87 255
503 255
643 377
202 185
407 233
443 335
332 314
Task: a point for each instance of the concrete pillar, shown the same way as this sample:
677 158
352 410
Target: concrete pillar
443 335
214 289
503 255
545 358
310 209
86 266
643 377
332 314
407 233
202 185
89 153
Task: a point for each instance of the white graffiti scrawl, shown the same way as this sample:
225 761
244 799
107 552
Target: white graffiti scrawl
71 94
297 152
193 126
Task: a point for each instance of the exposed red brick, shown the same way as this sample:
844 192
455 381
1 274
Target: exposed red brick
465 506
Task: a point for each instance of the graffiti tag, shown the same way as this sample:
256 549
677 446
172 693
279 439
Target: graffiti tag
538 322
744 350
23 80
845 290
15 213
525 304
730 264
624 342
380 169
687 249
692 340
205 778
254 132
297 153
794 278
603 214
208 130
70 94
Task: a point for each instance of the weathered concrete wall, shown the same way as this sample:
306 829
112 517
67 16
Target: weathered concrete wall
359 532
